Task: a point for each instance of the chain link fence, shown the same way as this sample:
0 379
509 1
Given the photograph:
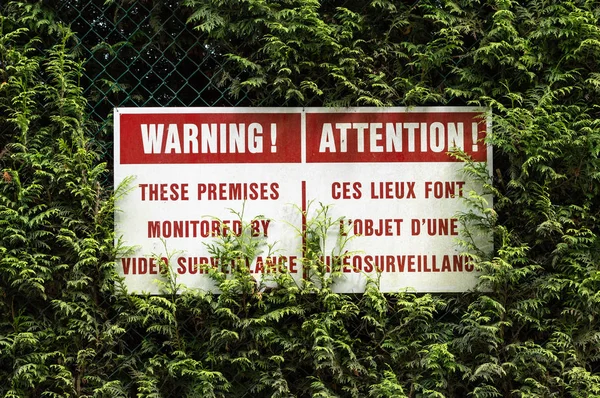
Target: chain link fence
142 53
146 53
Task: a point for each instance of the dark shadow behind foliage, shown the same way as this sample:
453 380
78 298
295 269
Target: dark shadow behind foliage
68 329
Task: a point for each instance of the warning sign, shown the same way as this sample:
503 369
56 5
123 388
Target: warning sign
385 176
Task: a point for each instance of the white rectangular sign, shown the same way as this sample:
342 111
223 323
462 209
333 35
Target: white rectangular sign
384 174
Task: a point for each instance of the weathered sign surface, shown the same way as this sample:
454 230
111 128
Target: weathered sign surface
384 174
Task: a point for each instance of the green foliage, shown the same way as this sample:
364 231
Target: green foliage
67 326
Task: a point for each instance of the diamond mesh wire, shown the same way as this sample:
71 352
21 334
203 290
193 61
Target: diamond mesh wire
142 53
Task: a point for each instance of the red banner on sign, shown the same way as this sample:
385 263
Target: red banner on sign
393 136
209 138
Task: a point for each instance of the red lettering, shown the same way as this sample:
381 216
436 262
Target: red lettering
164 192
390 264
292 265
238 191
346 190
443 189
143 265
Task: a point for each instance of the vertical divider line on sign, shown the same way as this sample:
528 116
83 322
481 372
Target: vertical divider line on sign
303 227
303 204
